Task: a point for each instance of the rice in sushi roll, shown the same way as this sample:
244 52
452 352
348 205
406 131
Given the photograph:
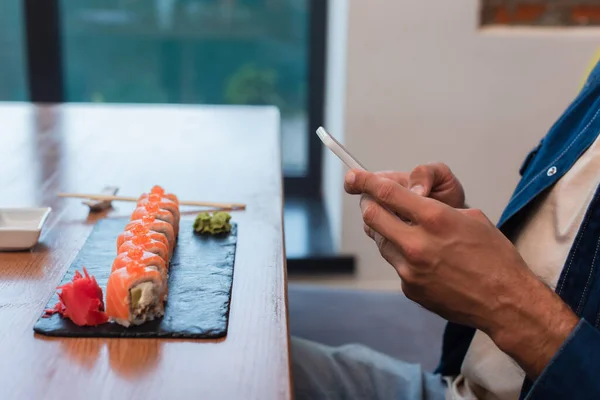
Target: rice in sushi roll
135 294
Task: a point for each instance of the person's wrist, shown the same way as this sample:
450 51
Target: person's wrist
532 325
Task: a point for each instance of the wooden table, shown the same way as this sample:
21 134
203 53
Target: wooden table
204 153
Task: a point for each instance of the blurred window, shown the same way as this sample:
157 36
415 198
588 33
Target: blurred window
13 85
243 52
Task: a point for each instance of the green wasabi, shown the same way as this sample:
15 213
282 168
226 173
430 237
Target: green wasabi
215 224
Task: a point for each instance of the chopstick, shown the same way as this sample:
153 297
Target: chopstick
230 206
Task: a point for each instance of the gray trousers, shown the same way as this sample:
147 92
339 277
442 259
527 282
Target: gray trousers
356 372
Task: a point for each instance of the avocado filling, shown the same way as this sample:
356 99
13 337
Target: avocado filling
145 304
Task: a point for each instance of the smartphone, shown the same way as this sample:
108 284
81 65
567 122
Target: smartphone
339 150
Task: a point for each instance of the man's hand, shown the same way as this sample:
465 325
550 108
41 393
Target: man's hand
434 180
458 265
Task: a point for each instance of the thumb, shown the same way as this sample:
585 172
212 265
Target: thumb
421 180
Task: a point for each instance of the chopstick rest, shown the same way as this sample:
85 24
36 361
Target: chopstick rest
101 205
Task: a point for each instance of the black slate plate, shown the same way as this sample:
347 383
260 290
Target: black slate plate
200 280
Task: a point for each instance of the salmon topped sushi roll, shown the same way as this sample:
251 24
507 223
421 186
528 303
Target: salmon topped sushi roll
161 192
163 202
145 258
154 210
138 255
156 225
135 294
139 229
146 243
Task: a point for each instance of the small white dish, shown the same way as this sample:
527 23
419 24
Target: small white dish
20 228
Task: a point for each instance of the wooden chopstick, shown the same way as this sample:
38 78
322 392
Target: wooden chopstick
230 206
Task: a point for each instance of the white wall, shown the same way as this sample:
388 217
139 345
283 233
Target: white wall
425 84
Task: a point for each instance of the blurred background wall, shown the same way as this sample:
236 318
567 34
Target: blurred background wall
425 83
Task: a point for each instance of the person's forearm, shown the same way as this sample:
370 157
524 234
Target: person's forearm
533 326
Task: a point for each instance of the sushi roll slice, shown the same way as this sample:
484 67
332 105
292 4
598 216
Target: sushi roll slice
139 229
161 192
146 243
134 295
156 225
154 210
146 259
163 203
138 255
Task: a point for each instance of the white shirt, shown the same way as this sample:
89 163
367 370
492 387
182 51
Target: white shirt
544 243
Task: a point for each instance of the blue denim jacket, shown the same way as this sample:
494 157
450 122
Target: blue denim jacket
574 372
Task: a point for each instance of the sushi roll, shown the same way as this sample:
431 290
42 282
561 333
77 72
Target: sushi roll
163 203
146 243
154 210
156 225
138 255
161 192
139 229
135 294
144 258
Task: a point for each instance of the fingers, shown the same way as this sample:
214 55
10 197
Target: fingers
381 224
422 179
400 178
386 192
370 232
389 252
349 187
425 177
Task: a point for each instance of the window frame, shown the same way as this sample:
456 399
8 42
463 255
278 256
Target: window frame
45 77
